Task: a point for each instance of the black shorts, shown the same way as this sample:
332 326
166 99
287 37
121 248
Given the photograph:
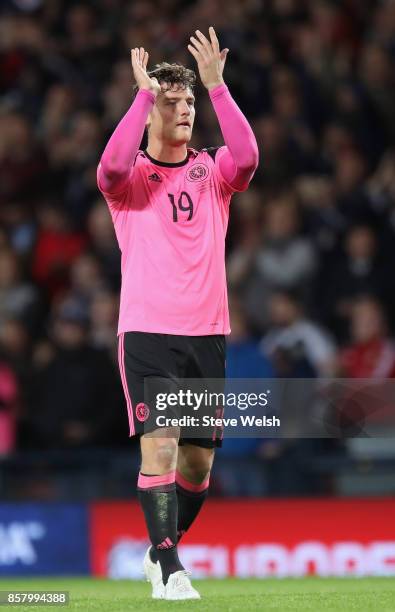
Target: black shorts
144 355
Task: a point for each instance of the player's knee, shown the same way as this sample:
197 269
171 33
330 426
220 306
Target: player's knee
199 473
196 465
202 468
165 454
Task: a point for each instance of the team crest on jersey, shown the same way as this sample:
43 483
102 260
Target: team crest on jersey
197 172
142 412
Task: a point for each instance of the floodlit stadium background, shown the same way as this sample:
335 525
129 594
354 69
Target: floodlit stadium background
310 259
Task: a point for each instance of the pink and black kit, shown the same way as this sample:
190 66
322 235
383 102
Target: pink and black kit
171 221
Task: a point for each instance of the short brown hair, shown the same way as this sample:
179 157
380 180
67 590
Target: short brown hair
174 74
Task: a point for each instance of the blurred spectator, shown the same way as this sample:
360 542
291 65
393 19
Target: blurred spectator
15 350
4 242
14 340
297 346
324 222
281 163
244 358
381 186
104 322
116 94
22 161
285 260
352 200
103 244
17 298
77 396
359 270
86 280
57 114
16 346
377 74
74 161
19 224
247 218
371 353
8 409
56 248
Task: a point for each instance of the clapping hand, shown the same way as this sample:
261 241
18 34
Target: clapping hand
209 58
139 64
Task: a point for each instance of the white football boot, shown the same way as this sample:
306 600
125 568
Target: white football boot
179 587
153 574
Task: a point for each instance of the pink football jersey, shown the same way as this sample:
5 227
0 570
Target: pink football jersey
171 223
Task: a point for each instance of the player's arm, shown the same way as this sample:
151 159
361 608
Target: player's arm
121 149
240 159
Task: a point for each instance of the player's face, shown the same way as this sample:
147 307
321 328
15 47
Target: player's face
171 119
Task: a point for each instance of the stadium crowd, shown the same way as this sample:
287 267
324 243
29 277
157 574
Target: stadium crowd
310 245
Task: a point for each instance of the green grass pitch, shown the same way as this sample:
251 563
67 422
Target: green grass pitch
230 595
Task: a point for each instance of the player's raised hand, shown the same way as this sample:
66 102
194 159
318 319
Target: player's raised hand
209 58
139 64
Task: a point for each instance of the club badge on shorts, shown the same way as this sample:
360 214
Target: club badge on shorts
142 412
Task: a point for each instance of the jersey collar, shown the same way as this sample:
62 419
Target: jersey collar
167 164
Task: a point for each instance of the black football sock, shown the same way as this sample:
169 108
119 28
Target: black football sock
190 498
158 499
